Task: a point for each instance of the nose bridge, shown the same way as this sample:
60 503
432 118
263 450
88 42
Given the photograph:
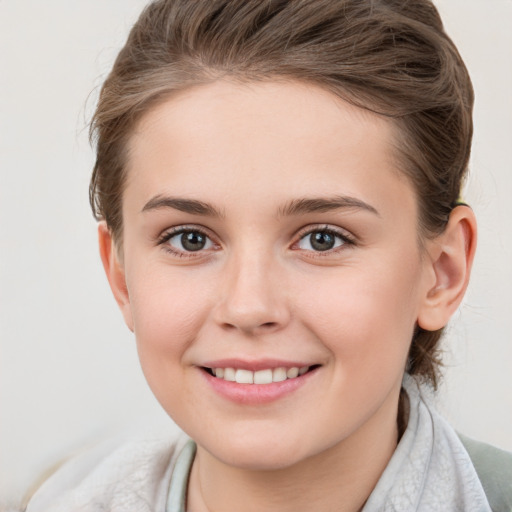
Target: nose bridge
252 295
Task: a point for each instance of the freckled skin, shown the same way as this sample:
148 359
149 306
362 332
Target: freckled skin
259 289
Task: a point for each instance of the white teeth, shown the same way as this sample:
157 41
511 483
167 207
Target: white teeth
244 377
229 374
292 373
279 374
261 376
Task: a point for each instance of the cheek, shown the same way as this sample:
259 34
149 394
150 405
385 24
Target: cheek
168 313
165 300
366 315
169 308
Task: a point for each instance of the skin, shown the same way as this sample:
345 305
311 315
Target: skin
259 289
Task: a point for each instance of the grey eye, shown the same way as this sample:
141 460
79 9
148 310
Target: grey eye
190 241
320 241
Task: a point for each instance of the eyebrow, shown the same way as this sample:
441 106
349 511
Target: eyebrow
192 206
325 204
300 206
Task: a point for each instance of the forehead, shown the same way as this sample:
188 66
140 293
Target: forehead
276 139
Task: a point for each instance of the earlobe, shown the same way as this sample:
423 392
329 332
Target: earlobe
451 257
114 270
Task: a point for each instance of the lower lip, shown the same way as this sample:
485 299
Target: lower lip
254 394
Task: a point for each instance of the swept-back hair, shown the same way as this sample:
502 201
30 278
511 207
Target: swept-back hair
389 56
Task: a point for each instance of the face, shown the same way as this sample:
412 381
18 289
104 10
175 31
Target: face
269 238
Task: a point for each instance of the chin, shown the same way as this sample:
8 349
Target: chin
257 452
259 459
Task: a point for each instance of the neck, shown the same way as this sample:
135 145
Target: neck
340 478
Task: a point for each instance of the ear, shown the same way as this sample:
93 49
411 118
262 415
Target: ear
450 256
115 272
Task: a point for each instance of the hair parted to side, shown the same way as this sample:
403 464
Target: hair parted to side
389 56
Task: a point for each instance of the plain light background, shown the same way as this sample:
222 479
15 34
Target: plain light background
69 374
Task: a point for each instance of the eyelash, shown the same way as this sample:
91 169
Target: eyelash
181 230
346 240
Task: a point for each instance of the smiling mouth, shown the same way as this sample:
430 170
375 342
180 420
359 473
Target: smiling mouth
265 376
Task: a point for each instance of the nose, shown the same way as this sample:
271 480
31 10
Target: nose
253 296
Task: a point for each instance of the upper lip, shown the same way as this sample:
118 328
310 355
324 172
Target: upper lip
255 365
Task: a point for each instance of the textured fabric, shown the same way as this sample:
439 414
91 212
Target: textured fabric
494 468
430 471
176 500
133 477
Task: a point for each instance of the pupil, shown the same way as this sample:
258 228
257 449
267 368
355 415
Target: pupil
322 241
193 241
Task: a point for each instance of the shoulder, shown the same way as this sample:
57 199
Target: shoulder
132 475
494 469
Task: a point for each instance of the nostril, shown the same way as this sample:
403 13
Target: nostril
266 326
229 326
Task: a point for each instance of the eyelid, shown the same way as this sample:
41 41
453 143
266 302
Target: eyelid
171 232
182 228
348 238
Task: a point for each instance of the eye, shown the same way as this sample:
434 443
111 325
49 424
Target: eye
321 240
186 241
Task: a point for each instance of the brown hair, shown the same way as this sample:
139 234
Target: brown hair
389 56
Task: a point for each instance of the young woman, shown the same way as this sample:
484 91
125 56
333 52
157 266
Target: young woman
277 186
